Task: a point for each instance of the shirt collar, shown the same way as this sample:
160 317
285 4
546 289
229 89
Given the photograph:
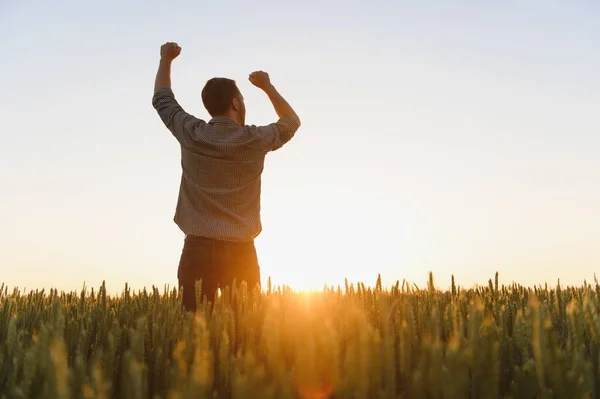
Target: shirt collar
223 120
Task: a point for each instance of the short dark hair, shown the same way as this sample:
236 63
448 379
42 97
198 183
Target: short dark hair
217 95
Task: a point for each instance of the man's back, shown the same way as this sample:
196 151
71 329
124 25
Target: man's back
222 162
220 183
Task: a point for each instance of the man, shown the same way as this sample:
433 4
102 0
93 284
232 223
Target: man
218 208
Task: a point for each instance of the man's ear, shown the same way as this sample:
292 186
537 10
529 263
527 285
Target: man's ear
235 104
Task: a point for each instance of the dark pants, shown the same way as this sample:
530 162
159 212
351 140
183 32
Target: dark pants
217 264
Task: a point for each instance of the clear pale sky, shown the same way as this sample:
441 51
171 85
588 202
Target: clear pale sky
457 138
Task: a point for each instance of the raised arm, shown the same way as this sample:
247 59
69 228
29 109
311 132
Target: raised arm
261 80
179 122
275 135
168 52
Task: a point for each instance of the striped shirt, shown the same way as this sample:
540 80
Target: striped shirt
222 163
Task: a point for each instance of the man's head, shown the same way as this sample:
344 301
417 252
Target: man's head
221 97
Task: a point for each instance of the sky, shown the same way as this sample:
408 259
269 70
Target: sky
460 138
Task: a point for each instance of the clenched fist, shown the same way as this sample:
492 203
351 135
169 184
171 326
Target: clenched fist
260 79
169 51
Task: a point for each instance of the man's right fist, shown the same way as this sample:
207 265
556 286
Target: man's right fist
169 51
260 79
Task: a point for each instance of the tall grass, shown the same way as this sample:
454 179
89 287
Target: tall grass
346 342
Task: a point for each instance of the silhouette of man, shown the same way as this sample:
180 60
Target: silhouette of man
222 160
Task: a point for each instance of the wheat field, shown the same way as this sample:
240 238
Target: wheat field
494 341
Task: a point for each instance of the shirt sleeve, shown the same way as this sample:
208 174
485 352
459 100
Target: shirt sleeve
275 135
179 122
